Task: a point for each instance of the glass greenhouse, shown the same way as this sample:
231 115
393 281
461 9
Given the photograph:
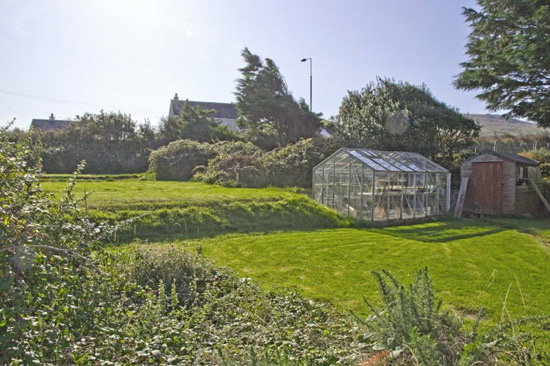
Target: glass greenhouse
382 185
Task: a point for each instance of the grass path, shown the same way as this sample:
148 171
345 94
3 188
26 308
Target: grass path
471 263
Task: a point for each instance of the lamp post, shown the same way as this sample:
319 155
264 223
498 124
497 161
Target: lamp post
310 83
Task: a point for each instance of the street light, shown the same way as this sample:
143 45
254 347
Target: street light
310 83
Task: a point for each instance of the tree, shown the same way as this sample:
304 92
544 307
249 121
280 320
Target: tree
193 124
509 57
391 115
264 102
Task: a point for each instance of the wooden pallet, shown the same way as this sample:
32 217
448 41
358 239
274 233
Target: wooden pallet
539 193
461 197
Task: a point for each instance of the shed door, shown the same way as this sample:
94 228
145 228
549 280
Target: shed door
487 187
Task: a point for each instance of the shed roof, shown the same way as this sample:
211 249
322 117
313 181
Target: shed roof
393 161
515 158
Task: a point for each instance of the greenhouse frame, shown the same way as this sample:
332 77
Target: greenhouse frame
382 185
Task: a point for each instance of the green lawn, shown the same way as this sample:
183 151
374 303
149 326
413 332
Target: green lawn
129 194
472 264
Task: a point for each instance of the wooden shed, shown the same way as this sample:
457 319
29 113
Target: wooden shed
495 183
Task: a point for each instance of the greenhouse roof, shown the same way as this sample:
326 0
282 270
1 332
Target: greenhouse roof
393 161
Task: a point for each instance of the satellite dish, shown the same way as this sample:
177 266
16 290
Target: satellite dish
397 123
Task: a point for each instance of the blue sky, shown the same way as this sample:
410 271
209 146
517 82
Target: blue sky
70 57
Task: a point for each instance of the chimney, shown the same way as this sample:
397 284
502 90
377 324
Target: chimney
52 118
176 97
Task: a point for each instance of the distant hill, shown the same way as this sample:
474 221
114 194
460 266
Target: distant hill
492 124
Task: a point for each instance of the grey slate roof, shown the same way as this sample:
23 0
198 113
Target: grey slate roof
50 124
515 158
223 110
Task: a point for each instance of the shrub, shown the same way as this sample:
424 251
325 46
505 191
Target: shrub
178 159
290 166
236 169
411 328
221 314
45 265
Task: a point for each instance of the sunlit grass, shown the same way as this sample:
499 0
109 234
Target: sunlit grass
472 264
129 194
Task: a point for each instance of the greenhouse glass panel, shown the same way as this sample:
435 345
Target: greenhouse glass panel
329 183
381 185
355 188
319 183
367 190
442 193
408 196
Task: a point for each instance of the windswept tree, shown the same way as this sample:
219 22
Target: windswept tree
264 102
394 115
509 57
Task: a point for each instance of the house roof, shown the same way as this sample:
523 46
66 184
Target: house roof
222 110
391 161
515 158
50 124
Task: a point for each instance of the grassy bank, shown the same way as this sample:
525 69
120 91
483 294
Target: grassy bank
163 211
133 194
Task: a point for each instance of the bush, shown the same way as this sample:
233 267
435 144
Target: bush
290 166
180 159
191 311
411 328
46 297
235 169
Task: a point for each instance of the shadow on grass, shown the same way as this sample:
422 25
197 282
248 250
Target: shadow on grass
432 232
163 237
442 231
538 226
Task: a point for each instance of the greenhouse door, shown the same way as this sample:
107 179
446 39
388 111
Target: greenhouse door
487 187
